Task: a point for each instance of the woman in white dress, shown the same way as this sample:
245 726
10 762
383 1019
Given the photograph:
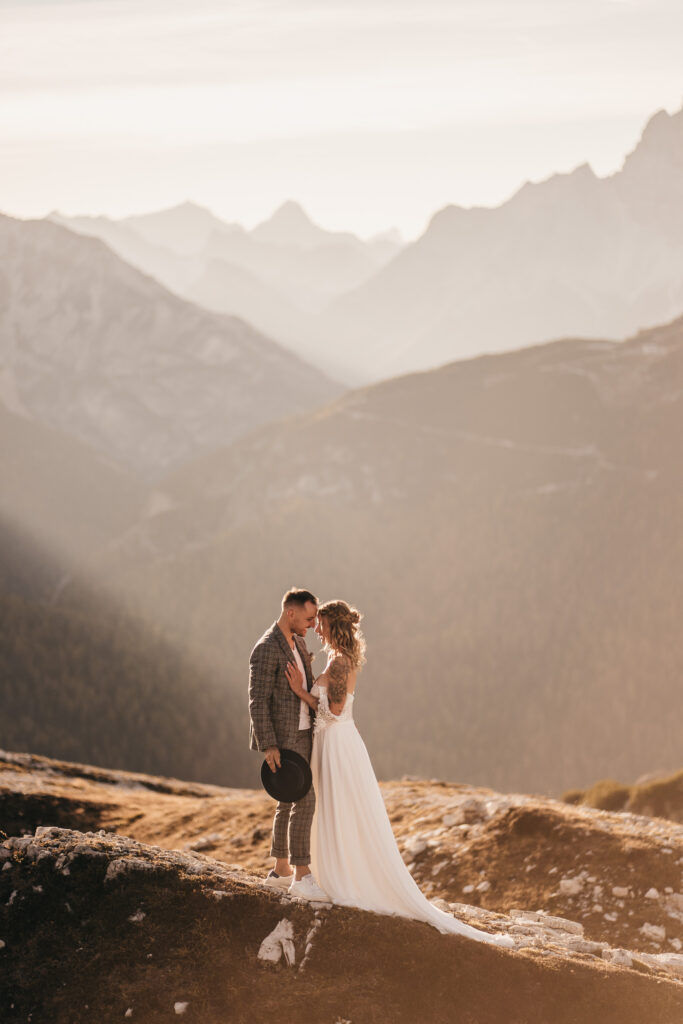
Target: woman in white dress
354 854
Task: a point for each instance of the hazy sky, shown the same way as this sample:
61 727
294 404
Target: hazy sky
371 113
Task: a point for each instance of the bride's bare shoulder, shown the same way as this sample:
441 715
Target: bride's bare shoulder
341 673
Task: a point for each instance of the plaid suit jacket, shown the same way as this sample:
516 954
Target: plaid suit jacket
273 707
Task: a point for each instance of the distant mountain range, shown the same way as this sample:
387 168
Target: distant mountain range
509 525
274 276
575 255
95 349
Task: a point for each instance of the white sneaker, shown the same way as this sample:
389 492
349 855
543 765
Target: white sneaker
278 881
308 889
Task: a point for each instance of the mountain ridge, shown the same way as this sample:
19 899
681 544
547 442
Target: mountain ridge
116 366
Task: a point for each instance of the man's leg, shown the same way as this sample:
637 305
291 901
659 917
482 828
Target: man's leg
279 848
301 816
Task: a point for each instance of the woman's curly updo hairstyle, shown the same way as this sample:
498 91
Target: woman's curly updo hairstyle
345 636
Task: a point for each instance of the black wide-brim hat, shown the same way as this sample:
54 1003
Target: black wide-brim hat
291 781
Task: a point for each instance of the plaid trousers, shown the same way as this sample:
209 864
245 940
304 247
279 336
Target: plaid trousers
292 822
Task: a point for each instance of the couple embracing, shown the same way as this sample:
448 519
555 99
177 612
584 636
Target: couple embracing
340 827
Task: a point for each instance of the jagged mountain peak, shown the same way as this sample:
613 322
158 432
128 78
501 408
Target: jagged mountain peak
290 225
661 142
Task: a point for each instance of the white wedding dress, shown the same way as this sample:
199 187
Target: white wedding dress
354 855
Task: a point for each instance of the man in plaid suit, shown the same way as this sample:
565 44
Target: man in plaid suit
278 718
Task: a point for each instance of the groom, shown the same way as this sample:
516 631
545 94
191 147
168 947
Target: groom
280 719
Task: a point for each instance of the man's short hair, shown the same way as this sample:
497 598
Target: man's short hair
300 597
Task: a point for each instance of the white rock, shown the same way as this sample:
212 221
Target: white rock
472 810
484 886
655 932
561 924
442 905
652 894
7 866
618 957
673 905
580 945
278 943
415 846
180 1008
450 819
2 944
669 961
528 915
468 888
676 943
123 865
620 891
571 886
128 1013
138 916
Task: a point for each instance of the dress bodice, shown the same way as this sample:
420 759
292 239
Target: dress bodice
324 716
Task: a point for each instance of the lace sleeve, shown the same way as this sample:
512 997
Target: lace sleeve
338 675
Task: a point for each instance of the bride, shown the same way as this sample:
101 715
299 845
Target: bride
354 854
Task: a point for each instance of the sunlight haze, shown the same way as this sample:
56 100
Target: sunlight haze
370 115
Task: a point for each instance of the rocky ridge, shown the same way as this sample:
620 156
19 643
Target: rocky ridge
588 896
115 909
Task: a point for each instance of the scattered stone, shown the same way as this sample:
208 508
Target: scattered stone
137 917
468 888
472 811
180 1008
528 915
128 1013
652 894
654 932
280 942
415 846
620 891
669 961
618 957
2 944
122 865
441 905
673 904
571 886
483 886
